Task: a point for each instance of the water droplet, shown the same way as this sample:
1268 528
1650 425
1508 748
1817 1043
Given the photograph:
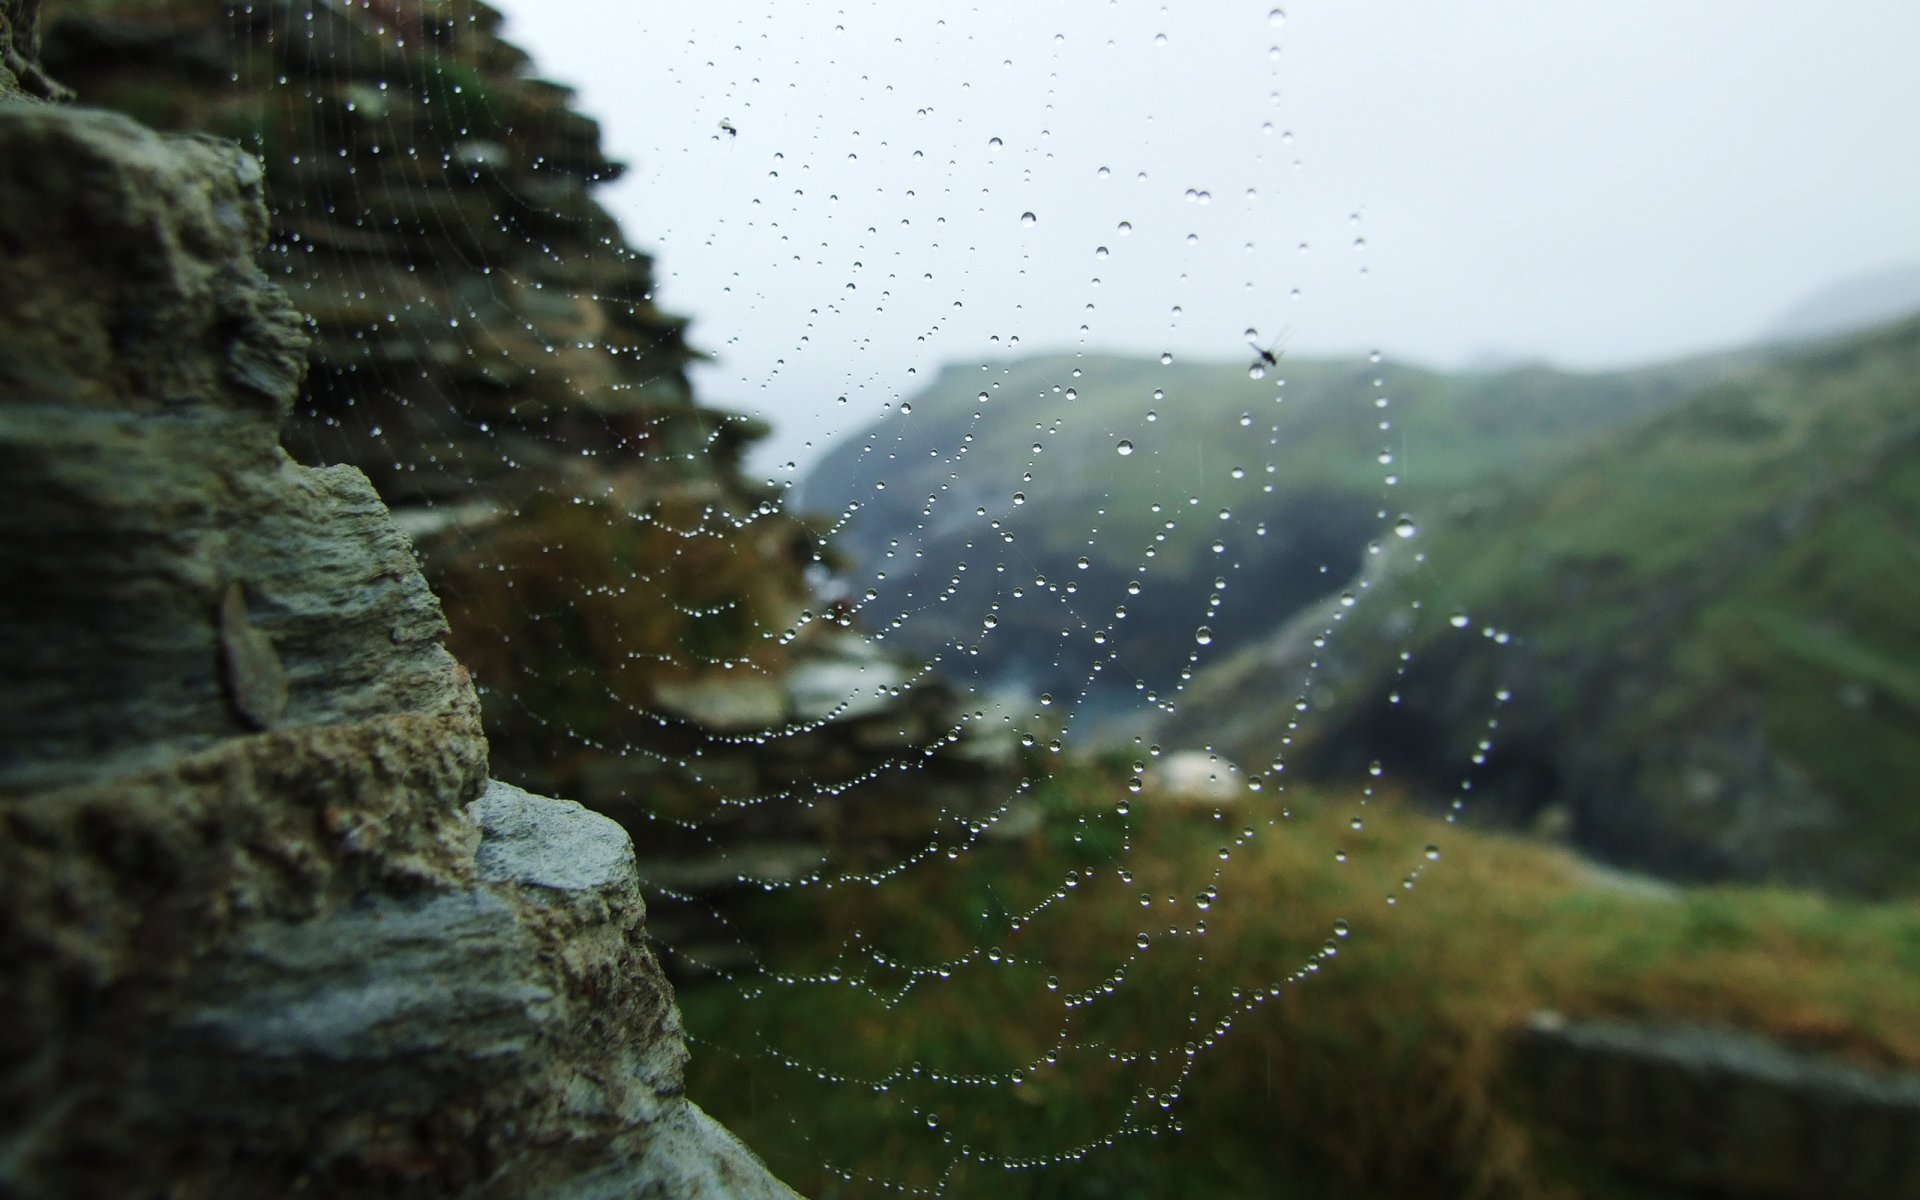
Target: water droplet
1405 527
994 143
1141 941
1203 635
1277 18
1459 620
1124 448
1027 218
1433 853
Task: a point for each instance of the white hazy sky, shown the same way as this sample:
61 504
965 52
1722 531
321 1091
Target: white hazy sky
1594 184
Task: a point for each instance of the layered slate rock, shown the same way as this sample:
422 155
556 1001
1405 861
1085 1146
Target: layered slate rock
486 347
431 208
267 926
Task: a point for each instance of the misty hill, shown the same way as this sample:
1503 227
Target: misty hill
1713 616
1008 515
1851 305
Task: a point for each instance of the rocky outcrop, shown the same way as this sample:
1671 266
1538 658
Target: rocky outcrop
486 348
1701 1111
267 926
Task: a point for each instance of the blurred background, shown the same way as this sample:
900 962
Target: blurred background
1302 603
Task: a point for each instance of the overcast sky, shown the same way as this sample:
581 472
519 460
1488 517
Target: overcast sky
1594 184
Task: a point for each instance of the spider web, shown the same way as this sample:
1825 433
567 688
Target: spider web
897 750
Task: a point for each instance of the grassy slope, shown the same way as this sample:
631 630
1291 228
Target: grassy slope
1372 1073
1758 541
1314 422
1465 425
1688 486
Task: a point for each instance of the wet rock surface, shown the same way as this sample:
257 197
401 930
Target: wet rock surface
485 347
267 925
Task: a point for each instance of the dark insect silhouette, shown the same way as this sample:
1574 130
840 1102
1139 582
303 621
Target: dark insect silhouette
1269 354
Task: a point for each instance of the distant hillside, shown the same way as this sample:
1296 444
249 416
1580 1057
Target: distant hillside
1715 620
1005 517
1850 306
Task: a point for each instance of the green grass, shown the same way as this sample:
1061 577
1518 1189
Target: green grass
1373 1072
1667 494
1744 558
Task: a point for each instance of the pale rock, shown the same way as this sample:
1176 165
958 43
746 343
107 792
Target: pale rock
1195 777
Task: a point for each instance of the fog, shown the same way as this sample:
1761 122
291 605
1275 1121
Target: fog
838 195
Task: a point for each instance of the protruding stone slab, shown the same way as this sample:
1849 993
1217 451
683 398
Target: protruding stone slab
530 841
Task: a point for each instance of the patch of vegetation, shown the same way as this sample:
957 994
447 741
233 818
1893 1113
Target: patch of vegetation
1295 1061
572 608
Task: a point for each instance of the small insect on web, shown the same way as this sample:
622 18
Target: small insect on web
1267 355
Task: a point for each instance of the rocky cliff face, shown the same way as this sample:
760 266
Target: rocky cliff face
486 348
267 926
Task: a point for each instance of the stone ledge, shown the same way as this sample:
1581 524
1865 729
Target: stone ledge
1718 1111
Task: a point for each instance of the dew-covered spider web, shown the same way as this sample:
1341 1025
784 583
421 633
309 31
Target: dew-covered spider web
946 609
